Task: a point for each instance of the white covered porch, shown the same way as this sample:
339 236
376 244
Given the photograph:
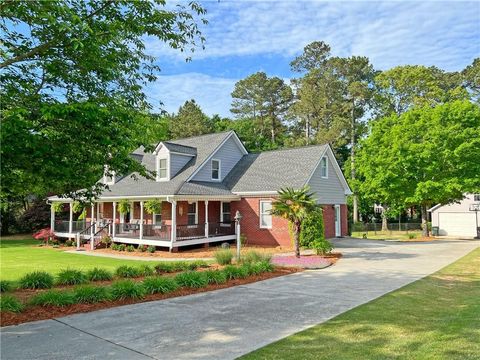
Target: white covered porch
182 221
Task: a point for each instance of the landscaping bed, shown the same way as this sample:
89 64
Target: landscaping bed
306 261
38 312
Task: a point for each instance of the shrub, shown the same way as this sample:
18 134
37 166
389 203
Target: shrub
253 257
312 228
5 285
264 266
121 247
130 248
127 289
223 256
151 249
10 303
98 274
322 246
235 272
106 241
191 279
114 247
71 277
90 294
165 267
194 265
126 271
69 243
215 276
412 236
36 280
146 270
142 248
162 285
53 298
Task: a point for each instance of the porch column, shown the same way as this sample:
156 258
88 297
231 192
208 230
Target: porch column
174 223
141 220
92 225
114 218
206 218
52 217
70 221
98 212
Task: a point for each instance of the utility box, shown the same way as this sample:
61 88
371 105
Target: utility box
435 230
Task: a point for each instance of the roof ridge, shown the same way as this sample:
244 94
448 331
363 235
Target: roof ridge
289 149
173 143
199 136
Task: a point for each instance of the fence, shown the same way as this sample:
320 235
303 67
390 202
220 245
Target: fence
393 226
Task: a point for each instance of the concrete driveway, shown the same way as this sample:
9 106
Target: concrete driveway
227 323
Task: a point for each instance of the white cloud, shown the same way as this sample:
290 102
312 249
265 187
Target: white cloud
389 33
211 93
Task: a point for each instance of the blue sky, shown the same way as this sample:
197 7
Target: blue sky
244 37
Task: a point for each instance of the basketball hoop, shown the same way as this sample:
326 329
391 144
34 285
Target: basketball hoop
476 208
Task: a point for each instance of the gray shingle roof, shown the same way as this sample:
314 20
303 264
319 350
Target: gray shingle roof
266 171
273 170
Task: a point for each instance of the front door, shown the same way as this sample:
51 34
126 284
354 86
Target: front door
338 222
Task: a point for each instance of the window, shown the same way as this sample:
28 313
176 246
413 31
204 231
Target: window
215 169
192 215
324 168
162 168
225 213
476 197
265 215
157 220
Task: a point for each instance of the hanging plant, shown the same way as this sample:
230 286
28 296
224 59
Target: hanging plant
77 206
124 206
57 207
153 206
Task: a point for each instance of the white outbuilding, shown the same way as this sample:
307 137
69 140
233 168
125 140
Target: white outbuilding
459 219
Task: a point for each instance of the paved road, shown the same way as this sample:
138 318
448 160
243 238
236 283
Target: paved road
230 322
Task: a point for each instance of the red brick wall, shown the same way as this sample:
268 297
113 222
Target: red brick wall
329 221
344 219
250 225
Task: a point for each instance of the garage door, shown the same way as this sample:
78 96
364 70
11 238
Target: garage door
457 224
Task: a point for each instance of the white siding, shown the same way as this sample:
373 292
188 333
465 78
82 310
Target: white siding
229 154
177 162
328 191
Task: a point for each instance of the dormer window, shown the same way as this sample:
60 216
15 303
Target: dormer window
324 168
215 169
162 168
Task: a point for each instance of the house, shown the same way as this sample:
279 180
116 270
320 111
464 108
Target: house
202 182
458 219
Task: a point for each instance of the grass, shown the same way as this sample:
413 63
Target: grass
388 235
437 317
22 256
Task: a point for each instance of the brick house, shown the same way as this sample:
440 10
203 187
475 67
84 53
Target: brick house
202 182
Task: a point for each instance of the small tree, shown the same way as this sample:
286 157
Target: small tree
295 206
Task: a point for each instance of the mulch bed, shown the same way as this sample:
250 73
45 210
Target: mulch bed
34 313
307 261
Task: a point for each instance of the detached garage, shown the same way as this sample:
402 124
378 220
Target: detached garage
457 219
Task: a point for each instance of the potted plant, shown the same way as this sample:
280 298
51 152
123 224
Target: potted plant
124 206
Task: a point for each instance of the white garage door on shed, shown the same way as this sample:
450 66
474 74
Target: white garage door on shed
457 224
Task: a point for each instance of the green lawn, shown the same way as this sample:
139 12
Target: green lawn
437 317
388 235
18 257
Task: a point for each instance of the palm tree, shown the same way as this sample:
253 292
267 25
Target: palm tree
294 205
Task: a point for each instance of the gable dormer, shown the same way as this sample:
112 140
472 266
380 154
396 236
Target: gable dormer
221 161
170 158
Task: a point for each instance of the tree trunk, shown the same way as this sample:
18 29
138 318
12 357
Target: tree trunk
296 235
352 161
425 231
307 130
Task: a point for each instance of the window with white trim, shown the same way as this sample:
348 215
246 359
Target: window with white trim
157 220
225 213
265 214
476 197
215 169
192 215
324 168
162 168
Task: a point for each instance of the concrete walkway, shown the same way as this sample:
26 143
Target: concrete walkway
227 323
